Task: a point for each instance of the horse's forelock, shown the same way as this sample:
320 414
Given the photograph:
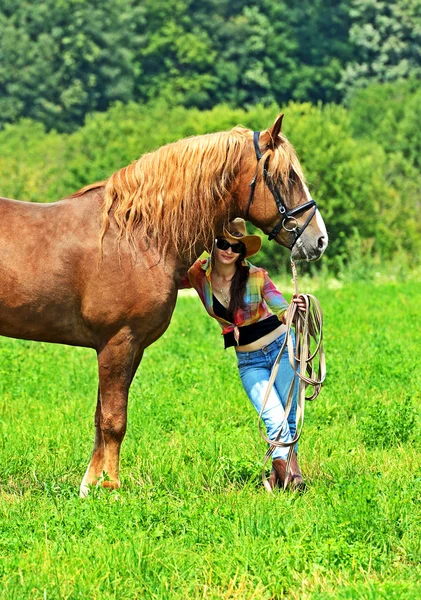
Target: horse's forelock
282 159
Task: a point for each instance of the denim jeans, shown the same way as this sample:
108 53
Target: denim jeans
255 368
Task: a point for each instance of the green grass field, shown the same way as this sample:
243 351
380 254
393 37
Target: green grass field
192 519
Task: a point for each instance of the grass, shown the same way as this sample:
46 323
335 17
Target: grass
192 519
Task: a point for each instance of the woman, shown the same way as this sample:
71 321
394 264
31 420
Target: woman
239 296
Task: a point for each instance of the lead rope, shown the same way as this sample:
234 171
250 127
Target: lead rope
309 365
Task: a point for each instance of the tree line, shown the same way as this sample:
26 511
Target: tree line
362 162
64 59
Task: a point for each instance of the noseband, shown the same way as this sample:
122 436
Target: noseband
286 215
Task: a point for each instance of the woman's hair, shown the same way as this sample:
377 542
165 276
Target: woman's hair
238 284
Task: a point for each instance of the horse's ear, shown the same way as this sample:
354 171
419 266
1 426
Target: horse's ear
270 136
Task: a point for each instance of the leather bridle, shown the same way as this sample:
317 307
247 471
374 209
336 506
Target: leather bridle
286 215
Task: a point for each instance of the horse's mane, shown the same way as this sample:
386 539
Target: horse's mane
171 195
88 188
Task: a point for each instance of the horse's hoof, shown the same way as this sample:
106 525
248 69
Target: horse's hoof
101 481
111 485
83 490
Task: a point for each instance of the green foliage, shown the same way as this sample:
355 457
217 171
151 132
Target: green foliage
385 40
192 519
67 58
62 60
389 114
309 68
32 162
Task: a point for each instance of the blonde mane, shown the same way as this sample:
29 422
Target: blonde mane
171 195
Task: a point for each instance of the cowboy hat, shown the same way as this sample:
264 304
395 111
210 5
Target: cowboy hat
236 232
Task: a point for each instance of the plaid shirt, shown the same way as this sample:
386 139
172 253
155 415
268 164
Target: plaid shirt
260 296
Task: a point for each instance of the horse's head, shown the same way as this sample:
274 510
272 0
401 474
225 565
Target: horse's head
273 195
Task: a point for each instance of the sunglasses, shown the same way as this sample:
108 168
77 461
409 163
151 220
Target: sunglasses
223 244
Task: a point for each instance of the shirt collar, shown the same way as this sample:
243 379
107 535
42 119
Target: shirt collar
207 267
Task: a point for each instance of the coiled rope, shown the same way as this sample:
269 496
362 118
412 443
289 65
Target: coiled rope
309 365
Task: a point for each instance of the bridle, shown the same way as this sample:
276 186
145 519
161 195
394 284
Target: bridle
286 215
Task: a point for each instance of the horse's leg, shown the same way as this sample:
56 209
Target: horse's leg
117 366
113 420
96 464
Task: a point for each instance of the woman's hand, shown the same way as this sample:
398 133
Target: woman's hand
301 305
300 302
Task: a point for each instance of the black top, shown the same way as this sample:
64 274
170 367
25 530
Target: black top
248 333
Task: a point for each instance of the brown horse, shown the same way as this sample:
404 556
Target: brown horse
100 268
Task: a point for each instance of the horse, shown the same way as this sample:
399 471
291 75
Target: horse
101 268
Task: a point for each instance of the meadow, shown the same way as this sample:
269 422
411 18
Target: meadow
192 519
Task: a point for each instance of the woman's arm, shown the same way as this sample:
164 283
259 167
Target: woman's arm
185 283
275 300
273 297
191 278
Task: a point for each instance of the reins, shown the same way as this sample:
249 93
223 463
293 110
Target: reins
309 365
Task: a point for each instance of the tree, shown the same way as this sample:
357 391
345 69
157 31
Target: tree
317 51
64 58
385 38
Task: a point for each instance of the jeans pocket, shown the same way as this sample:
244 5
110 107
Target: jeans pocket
243 359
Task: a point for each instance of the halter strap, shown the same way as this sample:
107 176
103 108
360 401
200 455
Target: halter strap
256 135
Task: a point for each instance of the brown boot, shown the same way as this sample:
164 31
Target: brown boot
297 481
278 473
272 480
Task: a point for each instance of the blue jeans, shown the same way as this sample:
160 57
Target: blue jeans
255 368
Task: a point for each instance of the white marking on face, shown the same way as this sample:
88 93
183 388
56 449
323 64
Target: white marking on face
321 225
307 191
301 250
319 218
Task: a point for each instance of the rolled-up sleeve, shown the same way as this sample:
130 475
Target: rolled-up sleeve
191 278
273 297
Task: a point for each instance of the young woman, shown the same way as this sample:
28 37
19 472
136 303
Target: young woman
250 310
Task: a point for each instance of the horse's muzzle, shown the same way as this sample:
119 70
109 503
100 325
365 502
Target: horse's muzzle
308 248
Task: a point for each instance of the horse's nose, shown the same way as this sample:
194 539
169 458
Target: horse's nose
321 242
